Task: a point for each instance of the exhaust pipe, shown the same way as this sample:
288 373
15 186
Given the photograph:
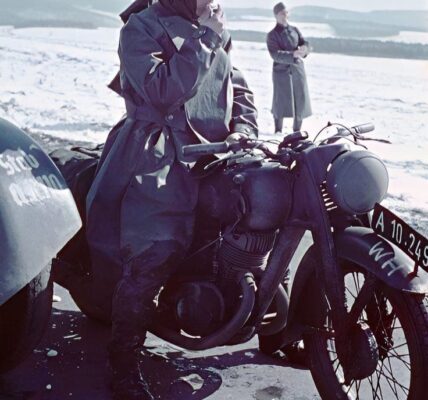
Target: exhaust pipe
223 335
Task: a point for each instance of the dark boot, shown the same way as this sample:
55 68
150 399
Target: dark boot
296 354
132 313
130 320
126 379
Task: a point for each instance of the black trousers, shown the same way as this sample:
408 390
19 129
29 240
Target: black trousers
134 299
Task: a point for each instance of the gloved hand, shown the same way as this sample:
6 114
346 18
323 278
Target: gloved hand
236 137
213 19
301 52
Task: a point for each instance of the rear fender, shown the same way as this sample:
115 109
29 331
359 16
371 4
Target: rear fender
38 215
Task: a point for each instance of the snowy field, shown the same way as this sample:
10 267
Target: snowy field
54 81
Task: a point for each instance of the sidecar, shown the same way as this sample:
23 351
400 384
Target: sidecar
38 216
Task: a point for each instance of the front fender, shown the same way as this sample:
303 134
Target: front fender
387 262
38 215
368 250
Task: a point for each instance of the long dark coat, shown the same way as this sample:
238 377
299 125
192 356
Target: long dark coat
179 88
290 88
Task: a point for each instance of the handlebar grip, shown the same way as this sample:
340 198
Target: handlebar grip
205 149
364 128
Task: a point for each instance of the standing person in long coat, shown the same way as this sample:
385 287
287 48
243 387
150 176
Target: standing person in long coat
287 47
179 88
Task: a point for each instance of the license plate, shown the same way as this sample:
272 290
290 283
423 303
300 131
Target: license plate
394 229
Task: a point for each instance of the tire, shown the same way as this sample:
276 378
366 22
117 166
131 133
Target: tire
23 320
401 364
101 315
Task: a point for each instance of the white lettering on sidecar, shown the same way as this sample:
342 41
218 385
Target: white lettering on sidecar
18 163
378 251
34 190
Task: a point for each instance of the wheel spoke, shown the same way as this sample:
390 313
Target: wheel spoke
398 357
349 291
373 390
337 367
391 378
388 378
397 347
378 308
389 384
402 355
378 386
357 387
391 370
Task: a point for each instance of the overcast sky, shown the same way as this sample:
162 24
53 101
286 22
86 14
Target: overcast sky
358 5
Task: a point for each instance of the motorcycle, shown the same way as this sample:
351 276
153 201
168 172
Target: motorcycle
356 298
34 198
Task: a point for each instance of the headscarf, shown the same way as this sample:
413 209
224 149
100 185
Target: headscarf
183 8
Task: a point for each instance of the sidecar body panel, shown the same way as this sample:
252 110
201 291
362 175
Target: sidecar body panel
38 215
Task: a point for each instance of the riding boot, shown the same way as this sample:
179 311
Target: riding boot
296 353
128 336
130 320
132 315
127 381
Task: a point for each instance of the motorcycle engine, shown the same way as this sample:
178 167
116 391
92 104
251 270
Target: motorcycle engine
200 306
253 198
239 253
244 252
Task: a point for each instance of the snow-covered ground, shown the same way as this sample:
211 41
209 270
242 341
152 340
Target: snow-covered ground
54 81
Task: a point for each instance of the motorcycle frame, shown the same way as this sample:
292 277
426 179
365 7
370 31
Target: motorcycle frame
311 214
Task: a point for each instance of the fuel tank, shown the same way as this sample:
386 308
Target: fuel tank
252 191
38 215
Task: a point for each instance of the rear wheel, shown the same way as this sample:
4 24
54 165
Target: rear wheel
23 319
389 342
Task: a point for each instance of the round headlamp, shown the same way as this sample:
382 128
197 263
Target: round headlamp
356 181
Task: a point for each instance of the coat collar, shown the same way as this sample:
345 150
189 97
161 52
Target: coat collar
282 28
177 28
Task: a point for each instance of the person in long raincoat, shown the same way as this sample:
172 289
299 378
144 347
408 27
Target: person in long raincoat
179 88
287 48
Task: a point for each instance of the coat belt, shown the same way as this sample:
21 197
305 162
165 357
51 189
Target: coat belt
147 113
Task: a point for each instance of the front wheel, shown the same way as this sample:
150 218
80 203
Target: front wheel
389 342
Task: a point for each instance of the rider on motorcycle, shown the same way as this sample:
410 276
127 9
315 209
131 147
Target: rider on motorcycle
179 88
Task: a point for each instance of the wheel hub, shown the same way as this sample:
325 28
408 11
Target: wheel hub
365 352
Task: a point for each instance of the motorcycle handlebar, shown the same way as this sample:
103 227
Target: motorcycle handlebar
358 130
205 149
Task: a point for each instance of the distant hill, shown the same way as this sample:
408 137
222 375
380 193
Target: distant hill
361 24
348 23
86 13
352 47
61 13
